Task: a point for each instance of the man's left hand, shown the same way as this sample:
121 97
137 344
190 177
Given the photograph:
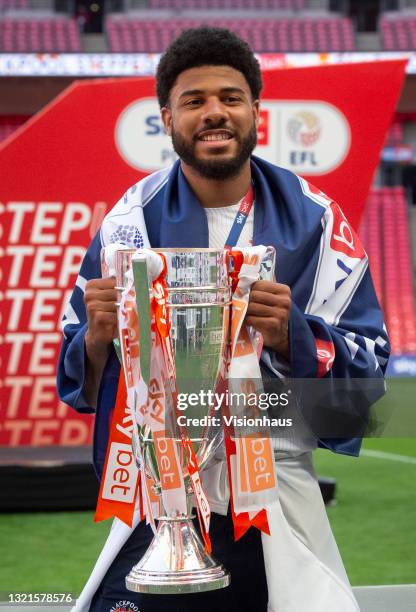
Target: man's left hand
268 312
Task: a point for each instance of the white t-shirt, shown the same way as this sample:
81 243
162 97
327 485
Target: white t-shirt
220 221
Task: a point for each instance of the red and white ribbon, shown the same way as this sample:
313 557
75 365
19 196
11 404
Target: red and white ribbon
250 458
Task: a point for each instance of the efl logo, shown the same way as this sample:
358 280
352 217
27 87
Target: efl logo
304 128
305 136
121 474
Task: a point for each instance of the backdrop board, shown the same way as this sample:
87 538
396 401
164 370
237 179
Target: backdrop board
70 163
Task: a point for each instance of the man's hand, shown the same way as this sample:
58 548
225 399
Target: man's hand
100 299
268 312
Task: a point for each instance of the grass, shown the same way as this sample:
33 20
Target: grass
375 516
374 519
374 522
48 552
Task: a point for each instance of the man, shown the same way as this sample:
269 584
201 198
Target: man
321 319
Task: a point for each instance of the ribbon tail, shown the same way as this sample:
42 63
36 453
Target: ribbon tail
241 523
106 508
261 522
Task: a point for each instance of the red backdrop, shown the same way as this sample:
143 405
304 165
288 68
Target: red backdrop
67 165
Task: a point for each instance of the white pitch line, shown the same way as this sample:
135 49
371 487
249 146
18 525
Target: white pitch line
388 456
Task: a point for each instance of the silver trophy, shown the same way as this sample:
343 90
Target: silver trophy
199 304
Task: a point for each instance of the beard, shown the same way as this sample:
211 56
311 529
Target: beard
215 169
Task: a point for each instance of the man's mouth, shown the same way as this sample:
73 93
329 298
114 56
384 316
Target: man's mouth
215 135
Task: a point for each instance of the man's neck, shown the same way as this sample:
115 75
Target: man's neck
216 194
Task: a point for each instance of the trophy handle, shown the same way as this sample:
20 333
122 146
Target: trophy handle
141 280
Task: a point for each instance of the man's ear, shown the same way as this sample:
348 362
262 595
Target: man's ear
166 115
256 112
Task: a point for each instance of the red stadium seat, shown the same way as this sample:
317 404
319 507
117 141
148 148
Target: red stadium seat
227 4
13 4
26 35
398 33
385 233
264 35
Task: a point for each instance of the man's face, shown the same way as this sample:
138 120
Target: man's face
212 120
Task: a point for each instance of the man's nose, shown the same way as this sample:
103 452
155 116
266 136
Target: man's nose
214 111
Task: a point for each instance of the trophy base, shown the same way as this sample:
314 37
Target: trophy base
176 562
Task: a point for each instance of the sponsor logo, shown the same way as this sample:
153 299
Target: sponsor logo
124 606
263 128
121 474
403 365
304 128
306 136
140 136
166 461
259 463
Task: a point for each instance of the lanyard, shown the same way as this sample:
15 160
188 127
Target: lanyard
240 218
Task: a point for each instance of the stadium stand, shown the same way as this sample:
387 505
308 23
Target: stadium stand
395 135
39 34
35 6
13 5
398 31
266 35
295 5
386 237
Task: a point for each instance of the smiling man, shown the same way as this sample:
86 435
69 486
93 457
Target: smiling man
320 319
212 119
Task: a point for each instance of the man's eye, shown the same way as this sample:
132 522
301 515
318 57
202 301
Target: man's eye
232 99
194 102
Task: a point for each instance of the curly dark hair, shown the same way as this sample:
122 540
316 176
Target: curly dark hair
206 46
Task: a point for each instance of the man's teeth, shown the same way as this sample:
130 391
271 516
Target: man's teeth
215 137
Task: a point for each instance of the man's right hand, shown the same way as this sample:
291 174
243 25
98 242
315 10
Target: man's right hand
100 299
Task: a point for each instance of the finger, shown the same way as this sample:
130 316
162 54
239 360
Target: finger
264 297
260 310
280 310
102 319
272 301
98 306
101 295
266 324
270 287
101 283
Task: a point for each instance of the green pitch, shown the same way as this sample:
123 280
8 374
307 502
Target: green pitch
374 521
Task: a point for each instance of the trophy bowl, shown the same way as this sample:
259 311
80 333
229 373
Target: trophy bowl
199 297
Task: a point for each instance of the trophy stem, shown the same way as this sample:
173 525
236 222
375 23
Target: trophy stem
176 562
